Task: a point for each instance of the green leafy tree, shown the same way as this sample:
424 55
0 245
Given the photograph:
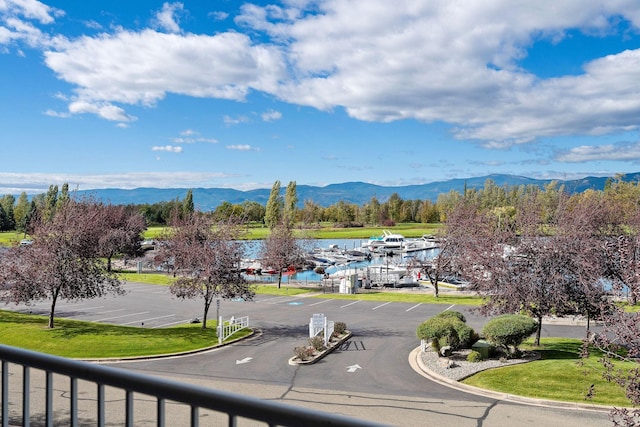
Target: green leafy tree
311 212
289 211
50 202
4 220
21 211
63 197
7 202
253 211
187 204
273 212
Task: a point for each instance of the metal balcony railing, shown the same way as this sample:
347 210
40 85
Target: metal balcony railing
28 375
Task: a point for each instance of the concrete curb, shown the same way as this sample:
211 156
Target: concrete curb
415 361
294 360
254 333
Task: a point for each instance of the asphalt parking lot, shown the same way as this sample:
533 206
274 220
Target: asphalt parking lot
368 377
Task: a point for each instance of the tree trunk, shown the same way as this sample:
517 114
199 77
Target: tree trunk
279 278
207 304
538 331
51 313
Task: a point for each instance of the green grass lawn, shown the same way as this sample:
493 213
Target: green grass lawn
10 238
556 376
327 231
417 297
87 340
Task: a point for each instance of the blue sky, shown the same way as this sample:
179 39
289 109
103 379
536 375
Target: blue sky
127 94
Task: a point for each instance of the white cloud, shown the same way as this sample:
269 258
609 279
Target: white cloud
182 140
189 136
104 110
627 152
140 68
219 16
32 183
168 148
229 121
241 147
60 114
167 17
457 62
18 20
453 61
271 115
29 9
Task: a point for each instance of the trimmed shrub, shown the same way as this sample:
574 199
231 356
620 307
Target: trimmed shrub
317 343
454 314
435 330
304 352
466 336
446 330
339 328
509 331
474 357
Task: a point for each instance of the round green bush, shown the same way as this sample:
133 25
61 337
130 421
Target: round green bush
465 334
474 357
509 331
446 330
452 314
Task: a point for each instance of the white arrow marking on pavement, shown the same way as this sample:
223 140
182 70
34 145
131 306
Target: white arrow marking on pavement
353 368
245 360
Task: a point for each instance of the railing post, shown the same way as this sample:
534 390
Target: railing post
26 391
74 401
5 394
101 411
49 399
129 408
160 412
194 416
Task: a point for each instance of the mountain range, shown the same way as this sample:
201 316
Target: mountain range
358 193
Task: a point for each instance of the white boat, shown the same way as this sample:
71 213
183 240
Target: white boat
388 240
421 244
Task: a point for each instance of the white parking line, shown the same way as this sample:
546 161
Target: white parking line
92 308
450 307
411 308
65 305
355 302
272 298
320 302
120 317
111 311
381 305
149 319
